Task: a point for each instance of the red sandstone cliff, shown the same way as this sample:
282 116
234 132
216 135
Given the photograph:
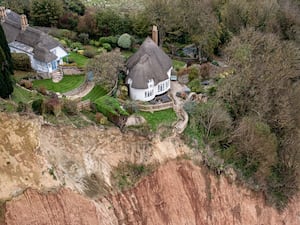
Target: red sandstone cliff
178 193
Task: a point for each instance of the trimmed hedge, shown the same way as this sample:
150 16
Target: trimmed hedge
21 61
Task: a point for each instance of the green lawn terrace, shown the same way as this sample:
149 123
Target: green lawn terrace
97 92
68 83
79 59
155 119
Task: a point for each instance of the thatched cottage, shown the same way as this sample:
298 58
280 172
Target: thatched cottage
45 53
148 72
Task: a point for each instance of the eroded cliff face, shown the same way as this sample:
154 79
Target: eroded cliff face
47 157
178 193
20 164
75 163
83 157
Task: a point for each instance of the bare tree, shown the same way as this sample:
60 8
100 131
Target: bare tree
106 67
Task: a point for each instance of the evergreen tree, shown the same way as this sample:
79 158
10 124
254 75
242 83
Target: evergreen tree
6 50
6 69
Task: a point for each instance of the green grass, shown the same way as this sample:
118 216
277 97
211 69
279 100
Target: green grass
127 54
68 83
80 60
178 64
97 92
7 106
166 117
21 95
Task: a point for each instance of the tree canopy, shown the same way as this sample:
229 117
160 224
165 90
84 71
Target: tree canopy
46 12
106 68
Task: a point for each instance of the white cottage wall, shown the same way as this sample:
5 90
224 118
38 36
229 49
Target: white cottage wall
150 93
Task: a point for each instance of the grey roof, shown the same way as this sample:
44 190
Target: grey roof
149 62
38 40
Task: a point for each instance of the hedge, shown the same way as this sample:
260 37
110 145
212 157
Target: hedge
21 61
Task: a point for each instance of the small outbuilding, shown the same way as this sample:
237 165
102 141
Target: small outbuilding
148 72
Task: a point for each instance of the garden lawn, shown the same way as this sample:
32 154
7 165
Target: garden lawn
80 60
178 64
68 83
166 117
126 54
97 92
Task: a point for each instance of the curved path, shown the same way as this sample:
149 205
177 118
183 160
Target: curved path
81 91
182 115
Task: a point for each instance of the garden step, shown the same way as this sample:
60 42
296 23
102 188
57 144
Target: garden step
57 76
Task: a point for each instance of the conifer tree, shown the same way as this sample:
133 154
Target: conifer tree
6 68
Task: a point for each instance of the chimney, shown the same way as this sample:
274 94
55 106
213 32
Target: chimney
24 22
2 13
155 34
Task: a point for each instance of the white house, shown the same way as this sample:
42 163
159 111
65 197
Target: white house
148 72
45 53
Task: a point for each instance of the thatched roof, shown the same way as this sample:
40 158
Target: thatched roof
149 62
38 40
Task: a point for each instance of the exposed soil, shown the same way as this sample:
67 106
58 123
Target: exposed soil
177 193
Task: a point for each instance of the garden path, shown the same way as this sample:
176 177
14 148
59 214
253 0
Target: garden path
178 107
81 92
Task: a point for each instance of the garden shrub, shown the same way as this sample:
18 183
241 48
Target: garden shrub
26 83
21 61
92 42
53 106
63 43
107 47
101 50
125 41
76 46
182 71
83 38
112 40
100 118
70 107
37 106
89 52
193 73
205 71
195 86
42 90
